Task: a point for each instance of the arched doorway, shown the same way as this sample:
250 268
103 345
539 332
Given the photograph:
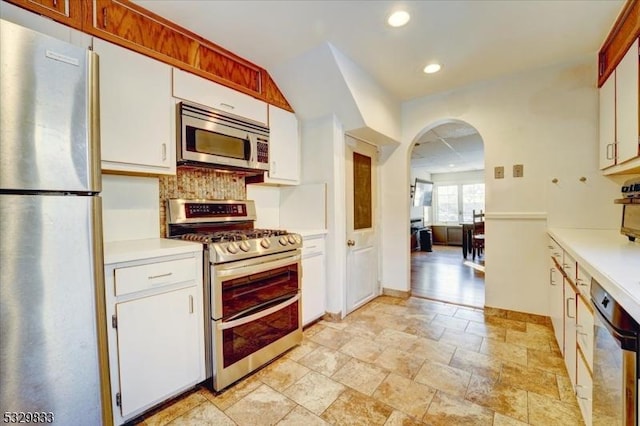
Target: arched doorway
449 158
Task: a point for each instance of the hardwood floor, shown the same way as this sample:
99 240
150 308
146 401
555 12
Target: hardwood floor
445 275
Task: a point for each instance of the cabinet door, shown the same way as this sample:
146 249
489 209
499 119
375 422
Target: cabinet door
627 105
570 343
68 12
584 391
313 288
607 101
158 347
204 92
137 113
556 304
284 147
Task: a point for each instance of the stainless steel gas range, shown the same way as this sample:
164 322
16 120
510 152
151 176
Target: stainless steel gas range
252 284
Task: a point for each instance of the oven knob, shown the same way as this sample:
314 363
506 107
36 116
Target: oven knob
265 243
282 241
297 238
232 248
245 246
291 239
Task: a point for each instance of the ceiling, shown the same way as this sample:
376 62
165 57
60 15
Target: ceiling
473 40
448 148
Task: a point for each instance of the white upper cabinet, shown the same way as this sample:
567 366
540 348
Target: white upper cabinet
196 89
608 122
627 105
137 112
619 128
284 147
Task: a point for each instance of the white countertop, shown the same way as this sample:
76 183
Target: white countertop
610 258
127 251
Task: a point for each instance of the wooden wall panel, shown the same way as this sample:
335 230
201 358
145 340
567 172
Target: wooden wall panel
59 10
131 26
221 65
624 32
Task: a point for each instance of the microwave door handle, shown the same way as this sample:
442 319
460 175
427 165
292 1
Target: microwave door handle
248 148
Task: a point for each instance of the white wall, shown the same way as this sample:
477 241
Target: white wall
546 119
130 207
323 163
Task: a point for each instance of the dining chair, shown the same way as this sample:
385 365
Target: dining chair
477 235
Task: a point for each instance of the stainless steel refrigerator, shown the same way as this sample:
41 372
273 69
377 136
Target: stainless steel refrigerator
53 350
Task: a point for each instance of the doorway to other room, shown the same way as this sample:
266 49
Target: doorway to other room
447 258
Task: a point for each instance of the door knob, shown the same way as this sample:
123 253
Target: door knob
351 243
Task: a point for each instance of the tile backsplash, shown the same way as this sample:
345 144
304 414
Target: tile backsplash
199 183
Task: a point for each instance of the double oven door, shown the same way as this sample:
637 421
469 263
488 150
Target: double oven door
255 313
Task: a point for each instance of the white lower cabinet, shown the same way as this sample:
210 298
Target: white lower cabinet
314 284
584 390
570 342
156 330
572 320
158 345
556 298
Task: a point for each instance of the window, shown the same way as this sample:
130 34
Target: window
447 210
456 203
472 199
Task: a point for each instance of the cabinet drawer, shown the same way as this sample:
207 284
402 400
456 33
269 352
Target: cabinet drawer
311 246
197 89
555 251
583 281
585 331
569 266
143 277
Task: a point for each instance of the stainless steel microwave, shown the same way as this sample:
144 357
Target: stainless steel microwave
212 138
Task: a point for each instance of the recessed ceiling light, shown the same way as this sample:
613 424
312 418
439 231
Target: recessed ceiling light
452 165
399 18
432 68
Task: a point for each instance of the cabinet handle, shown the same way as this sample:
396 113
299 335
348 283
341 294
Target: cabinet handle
55 3
569 316
551 271
581 282
164 152
610 152
153 277
190 304
228 106
566 266
104 17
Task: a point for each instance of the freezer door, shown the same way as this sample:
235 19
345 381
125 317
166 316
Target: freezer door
49 133
52 344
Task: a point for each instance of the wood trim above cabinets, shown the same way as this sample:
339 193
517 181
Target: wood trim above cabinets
68 13
624 32
129 25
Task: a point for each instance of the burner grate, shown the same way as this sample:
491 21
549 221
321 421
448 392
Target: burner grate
235 235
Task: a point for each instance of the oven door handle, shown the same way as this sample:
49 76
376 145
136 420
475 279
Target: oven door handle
230 271
245 316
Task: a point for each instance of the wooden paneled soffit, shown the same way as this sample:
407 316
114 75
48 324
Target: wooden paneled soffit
129 25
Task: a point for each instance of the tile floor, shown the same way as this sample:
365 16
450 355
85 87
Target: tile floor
401 362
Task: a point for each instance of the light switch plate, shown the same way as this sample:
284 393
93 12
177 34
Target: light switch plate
498 172
518 170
